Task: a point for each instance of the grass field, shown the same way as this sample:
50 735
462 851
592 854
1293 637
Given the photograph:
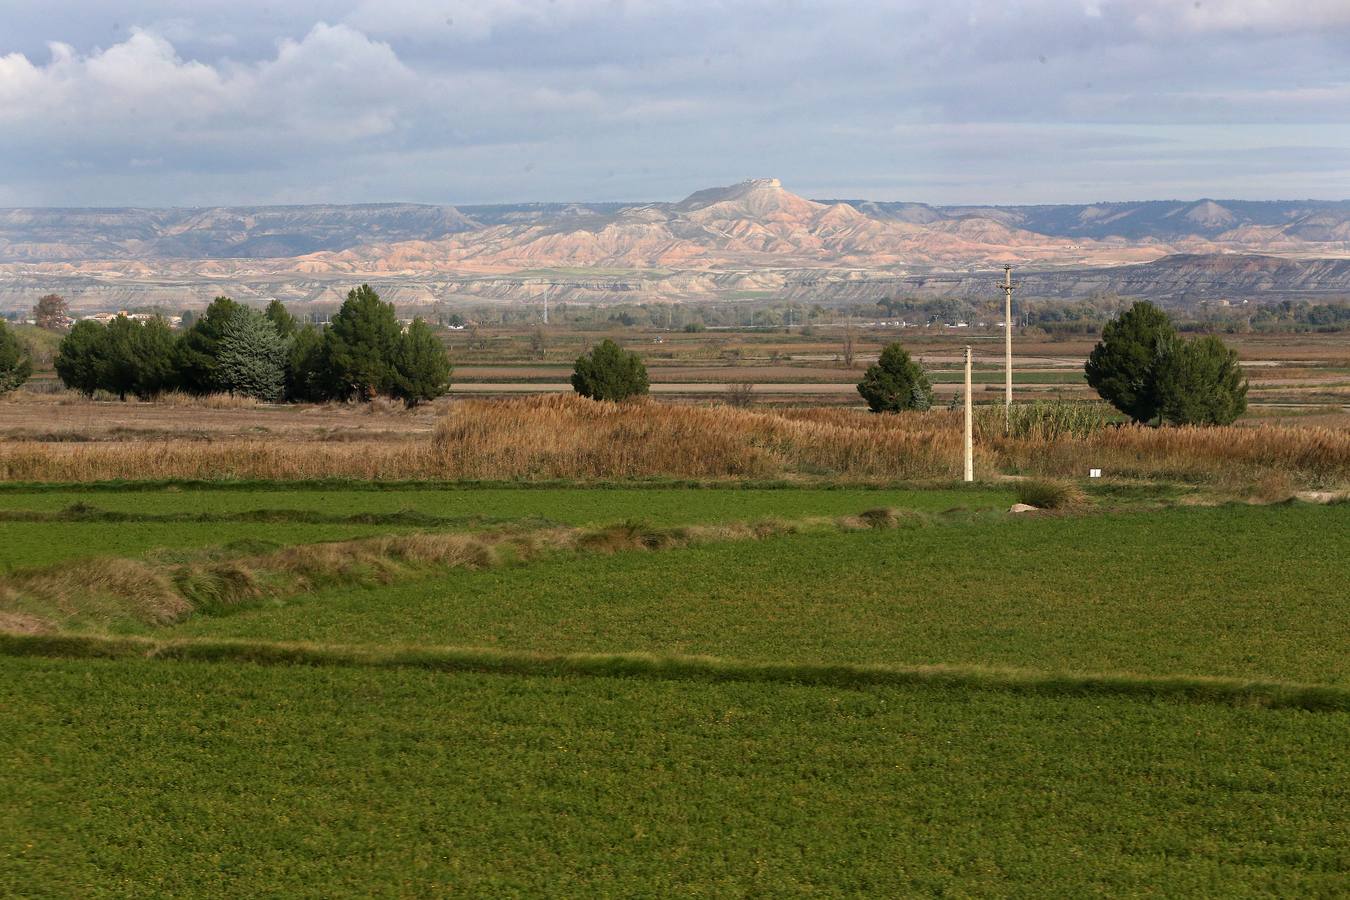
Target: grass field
180 777
1123 593
174 779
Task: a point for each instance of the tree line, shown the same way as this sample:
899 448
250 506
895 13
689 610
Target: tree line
1141 365
362 353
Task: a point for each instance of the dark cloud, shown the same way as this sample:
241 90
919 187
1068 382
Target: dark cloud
498 100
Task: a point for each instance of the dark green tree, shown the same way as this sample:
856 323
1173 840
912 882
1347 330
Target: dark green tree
16 363
609 372
421 368
138 358
895 383
1199 382
281 318
251 357
1123 366
306 367
359 346
80 358
195 355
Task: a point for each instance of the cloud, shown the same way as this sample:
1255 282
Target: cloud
1244 16
482 100
334 85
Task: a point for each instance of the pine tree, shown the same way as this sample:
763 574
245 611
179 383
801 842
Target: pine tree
359 347
609 372
1123 365
1200 383
281 319
895 383
137 358
306 376
251 357
421 367
80 357
16 363
195 355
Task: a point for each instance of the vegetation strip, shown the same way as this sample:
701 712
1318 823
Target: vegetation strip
1193 689
83 512
161 591
320 485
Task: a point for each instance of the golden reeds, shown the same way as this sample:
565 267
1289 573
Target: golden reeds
567 437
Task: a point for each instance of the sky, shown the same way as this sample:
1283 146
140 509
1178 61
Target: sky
217 102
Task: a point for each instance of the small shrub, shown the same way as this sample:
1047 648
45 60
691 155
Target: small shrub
1046 494
740 394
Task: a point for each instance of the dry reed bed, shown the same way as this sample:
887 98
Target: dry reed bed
566 437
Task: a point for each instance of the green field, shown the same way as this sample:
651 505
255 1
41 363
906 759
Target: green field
1133 592
165 777
175 779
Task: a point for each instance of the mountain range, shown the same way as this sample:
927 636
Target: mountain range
754 236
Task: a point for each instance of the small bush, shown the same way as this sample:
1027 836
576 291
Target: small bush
1045 494
740 394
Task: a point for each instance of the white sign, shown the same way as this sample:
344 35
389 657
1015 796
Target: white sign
1094 473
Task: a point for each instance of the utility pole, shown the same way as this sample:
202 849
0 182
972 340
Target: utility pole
1007 287
546 303
970 430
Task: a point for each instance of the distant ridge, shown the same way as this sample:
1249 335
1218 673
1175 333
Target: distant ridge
752 238
262 232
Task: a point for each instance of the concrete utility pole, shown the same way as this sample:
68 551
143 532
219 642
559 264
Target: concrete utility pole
545 303
970 429
1007 287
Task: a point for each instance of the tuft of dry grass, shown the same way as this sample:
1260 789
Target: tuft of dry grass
1047 494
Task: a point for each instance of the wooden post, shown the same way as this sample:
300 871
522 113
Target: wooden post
970 431
1007 337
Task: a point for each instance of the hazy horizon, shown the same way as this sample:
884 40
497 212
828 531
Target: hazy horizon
675 199
497 102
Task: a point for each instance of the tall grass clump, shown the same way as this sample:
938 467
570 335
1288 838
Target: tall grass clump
1048 494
